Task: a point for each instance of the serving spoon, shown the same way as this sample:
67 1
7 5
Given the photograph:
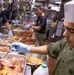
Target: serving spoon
10 49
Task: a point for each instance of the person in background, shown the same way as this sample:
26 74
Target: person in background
52 30
3 20
40 25
63 50
10 12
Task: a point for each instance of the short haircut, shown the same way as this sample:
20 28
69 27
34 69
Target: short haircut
0 5
41 8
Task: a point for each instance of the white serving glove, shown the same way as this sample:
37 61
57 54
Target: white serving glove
19 47
27 26
10 34
1 34
15 21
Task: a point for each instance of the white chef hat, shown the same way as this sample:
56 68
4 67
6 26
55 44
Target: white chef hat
69 11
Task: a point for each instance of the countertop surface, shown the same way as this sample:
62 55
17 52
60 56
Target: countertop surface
28 70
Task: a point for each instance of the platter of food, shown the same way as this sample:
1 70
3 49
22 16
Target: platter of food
36 59
16 31
4 48
12 64
7 41
27 37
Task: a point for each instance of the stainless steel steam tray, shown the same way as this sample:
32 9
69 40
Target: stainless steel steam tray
14 57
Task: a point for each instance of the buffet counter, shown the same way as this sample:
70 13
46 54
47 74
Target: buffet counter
28 70
11 58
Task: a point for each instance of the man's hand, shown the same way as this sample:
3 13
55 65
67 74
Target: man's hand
27 26
10 34
20 47
1 34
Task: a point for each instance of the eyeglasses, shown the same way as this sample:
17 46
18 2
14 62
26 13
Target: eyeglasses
71 30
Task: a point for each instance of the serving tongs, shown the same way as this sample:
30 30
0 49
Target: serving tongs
10 49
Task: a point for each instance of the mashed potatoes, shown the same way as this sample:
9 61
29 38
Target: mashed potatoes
34 60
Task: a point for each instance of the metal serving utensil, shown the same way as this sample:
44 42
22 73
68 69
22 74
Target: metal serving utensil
6 53
10 49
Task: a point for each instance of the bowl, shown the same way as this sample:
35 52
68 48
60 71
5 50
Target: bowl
44 58
39 56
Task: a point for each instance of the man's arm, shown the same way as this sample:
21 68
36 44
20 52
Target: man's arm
39 49
5 22
36 27
8 26
33 24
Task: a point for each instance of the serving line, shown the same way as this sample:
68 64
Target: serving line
10 49
28 70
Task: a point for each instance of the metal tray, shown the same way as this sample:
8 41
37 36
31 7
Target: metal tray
4 48
7 41
17 31
10 55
